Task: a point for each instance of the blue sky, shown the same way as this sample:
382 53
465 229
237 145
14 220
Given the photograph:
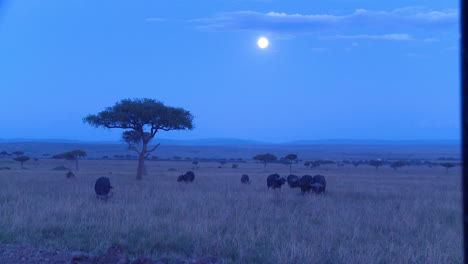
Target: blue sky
356 69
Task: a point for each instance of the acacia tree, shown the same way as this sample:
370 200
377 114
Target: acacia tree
73 155
290 158
265 159
142 119
22 160
447 166
376 163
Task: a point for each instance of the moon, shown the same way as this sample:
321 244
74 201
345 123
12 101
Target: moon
263 42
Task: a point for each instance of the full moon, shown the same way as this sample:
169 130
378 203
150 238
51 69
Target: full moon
263 42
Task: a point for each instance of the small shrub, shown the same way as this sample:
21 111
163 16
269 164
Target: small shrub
235 166
70 174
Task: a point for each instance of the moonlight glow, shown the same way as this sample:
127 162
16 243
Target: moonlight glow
263 42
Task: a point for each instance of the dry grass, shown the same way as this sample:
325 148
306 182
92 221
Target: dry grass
409 216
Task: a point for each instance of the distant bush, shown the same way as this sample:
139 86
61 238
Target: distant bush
105 157
70 174
235 166
171 169
61 168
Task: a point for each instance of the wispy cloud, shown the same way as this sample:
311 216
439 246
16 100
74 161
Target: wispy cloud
453 48
409 18
393 37
155 19
318 50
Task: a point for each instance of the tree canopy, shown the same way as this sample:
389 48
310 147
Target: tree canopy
22 160
142 119
73 155
265 158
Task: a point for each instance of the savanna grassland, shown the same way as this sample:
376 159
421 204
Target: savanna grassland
411 215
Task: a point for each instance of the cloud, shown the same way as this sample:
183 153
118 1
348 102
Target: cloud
393 37
361 19
155 19
453 48
318 50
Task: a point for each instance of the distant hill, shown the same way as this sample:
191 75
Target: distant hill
246 142
375 142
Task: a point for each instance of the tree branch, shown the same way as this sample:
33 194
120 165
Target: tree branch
130 147
153 149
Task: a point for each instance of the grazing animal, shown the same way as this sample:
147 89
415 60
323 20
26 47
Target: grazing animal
245 179
293 181
318 183
102 188
304 183
189 176
275 181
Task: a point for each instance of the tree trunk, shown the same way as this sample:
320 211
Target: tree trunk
141 162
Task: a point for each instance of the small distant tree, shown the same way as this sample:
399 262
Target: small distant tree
290 158
376 164
356 164
447 166
235 166
73 155
4 153
265 159
397 164
222 162
142 118
18 153
22 160
307 164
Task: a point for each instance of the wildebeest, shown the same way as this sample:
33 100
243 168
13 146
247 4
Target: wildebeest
319 183
245 179
293 181
189 176
275 181
102 188
316 183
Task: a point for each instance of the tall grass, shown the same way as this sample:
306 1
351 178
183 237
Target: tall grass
412 216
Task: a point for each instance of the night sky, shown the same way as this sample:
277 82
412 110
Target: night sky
354 69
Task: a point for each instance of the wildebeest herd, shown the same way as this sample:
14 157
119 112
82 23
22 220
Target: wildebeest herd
307 183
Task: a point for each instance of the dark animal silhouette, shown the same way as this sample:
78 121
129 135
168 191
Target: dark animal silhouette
318 183
189 176
102 188
245 179
275 181
293 181
304 183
